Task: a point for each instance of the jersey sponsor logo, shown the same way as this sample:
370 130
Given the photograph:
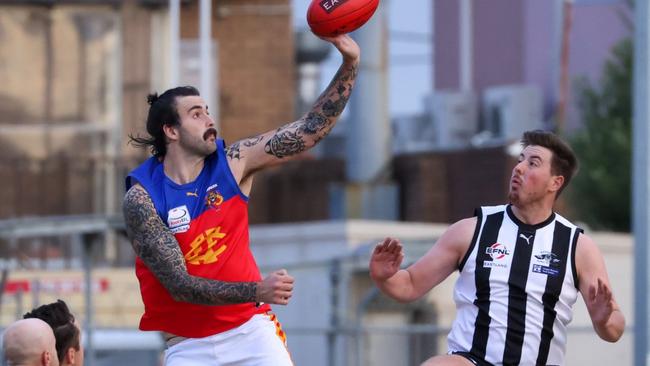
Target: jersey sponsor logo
493 264
497 251
205 248
537 268
178 219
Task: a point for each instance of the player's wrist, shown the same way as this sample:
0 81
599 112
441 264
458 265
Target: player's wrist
351 60
256 292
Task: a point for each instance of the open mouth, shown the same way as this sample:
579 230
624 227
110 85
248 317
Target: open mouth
210 134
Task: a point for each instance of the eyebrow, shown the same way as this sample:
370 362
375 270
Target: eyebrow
522 156
195 107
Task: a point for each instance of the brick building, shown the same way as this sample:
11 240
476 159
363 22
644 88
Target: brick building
75 76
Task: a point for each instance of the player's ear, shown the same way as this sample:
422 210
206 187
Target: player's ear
46 358
70 355
557 181
171 132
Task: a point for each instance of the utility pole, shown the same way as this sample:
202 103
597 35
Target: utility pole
641 180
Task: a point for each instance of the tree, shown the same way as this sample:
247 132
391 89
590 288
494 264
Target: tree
600 193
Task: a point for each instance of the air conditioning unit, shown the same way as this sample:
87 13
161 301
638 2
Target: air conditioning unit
454 117
413 133
510 110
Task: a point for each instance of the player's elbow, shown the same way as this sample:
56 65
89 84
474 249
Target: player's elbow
177 294
178 290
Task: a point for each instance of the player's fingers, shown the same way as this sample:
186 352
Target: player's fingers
397 246
390 244
607 292
381 247
601 288
281 272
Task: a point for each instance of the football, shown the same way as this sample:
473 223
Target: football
329 18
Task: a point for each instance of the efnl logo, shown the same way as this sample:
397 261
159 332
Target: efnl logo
497 252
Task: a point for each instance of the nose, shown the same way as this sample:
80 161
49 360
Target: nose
519 168
210 121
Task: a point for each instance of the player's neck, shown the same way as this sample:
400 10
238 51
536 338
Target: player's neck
182 168
532 213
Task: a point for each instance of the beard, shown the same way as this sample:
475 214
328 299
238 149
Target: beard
514 198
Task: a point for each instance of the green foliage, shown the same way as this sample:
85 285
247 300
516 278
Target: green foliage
600 193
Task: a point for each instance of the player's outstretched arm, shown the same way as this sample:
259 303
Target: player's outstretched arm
406 285
606 316
250 155
159 250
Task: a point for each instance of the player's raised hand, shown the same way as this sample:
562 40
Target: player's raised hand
276 288
386 259
601 301
347 46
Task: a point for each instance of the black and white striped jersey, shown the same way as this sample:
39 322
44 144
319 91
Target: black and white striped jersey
516 288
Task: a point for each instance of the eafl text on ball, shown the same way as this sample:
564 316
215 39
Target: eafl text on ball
329 18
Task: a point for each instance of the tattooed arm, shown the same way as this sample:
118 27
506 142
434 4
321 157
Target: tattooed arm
247 156
159 250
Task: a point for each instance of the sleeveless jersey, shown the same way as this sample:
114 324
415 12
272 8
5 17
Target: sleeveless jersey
516 290
209 218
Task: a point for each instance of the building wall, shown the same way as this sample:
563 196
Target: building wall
57 71
498 33
448 186
518 42
256 63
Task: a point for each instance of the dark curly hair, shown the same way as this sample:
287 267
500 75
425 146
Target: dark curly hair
61 320
162 111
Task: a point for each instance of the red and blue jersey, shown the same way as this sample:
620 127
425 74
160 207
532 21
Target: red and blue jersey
209 218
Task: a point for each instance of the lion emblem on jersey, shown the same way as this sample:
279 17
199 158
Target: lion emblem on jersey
213 199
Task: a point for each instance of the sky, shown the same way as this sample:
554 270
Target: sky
410 52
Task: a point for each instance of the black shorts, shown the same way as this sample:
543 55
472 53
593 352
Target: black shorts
473 359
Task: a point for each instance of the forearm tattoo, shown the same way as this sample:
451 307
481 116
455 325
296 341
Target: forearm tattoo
159 250
300 135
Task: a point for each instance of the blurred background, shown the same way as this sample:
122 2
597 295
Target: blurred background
445 89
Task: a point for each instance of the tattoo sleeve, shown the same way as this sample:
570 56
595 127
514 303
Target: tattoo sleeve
159 250
300 135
